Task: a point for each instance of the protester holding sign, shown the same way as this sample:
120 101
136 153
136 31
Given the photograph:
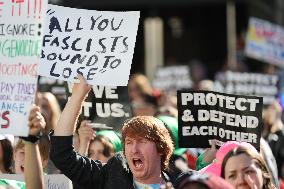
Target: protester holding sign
210 161
214 166
86 134
33 172
99 145
245 168
147 146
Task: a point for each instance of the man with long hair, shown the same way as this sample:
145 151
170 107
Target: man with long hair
147 147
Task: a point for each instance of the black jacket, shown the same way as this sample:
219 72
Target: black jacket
89 173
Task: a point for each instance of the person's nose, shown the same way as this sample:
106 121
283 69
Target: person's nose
134 147
240 179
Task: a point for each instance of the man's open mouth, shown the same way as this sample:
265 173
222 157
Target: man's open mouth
138 163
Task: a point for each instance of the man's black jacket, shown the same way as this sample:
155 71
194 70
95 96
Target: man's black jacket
88 173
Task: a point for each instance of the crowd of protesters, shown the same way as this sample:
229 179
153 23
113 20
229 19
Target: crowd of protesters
144 155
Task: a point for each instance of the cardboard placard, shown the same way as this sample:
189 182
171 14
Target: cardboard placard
96 44
265 41
172 78
207 115
107 106
56 181
21 29
256 84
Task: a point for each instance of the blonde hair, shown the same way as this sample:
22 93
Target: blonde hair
44 146
142 83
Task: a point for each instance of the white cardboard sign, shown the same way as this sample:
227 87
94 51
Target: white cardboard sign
56 181
97 44
21 32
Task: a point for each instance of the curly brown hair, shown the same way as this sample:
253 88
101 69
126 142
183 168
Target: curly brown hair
152 129
257 159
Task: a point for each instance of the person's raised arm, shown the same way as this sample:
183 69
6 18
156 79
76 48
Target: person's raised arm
33 165
67 121
207 157
86 134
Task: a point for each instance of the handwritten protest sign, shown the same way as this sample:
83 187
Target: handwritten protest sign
107 106
204 116
55 181
172 78
96 44
21 31
256 84
265 41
